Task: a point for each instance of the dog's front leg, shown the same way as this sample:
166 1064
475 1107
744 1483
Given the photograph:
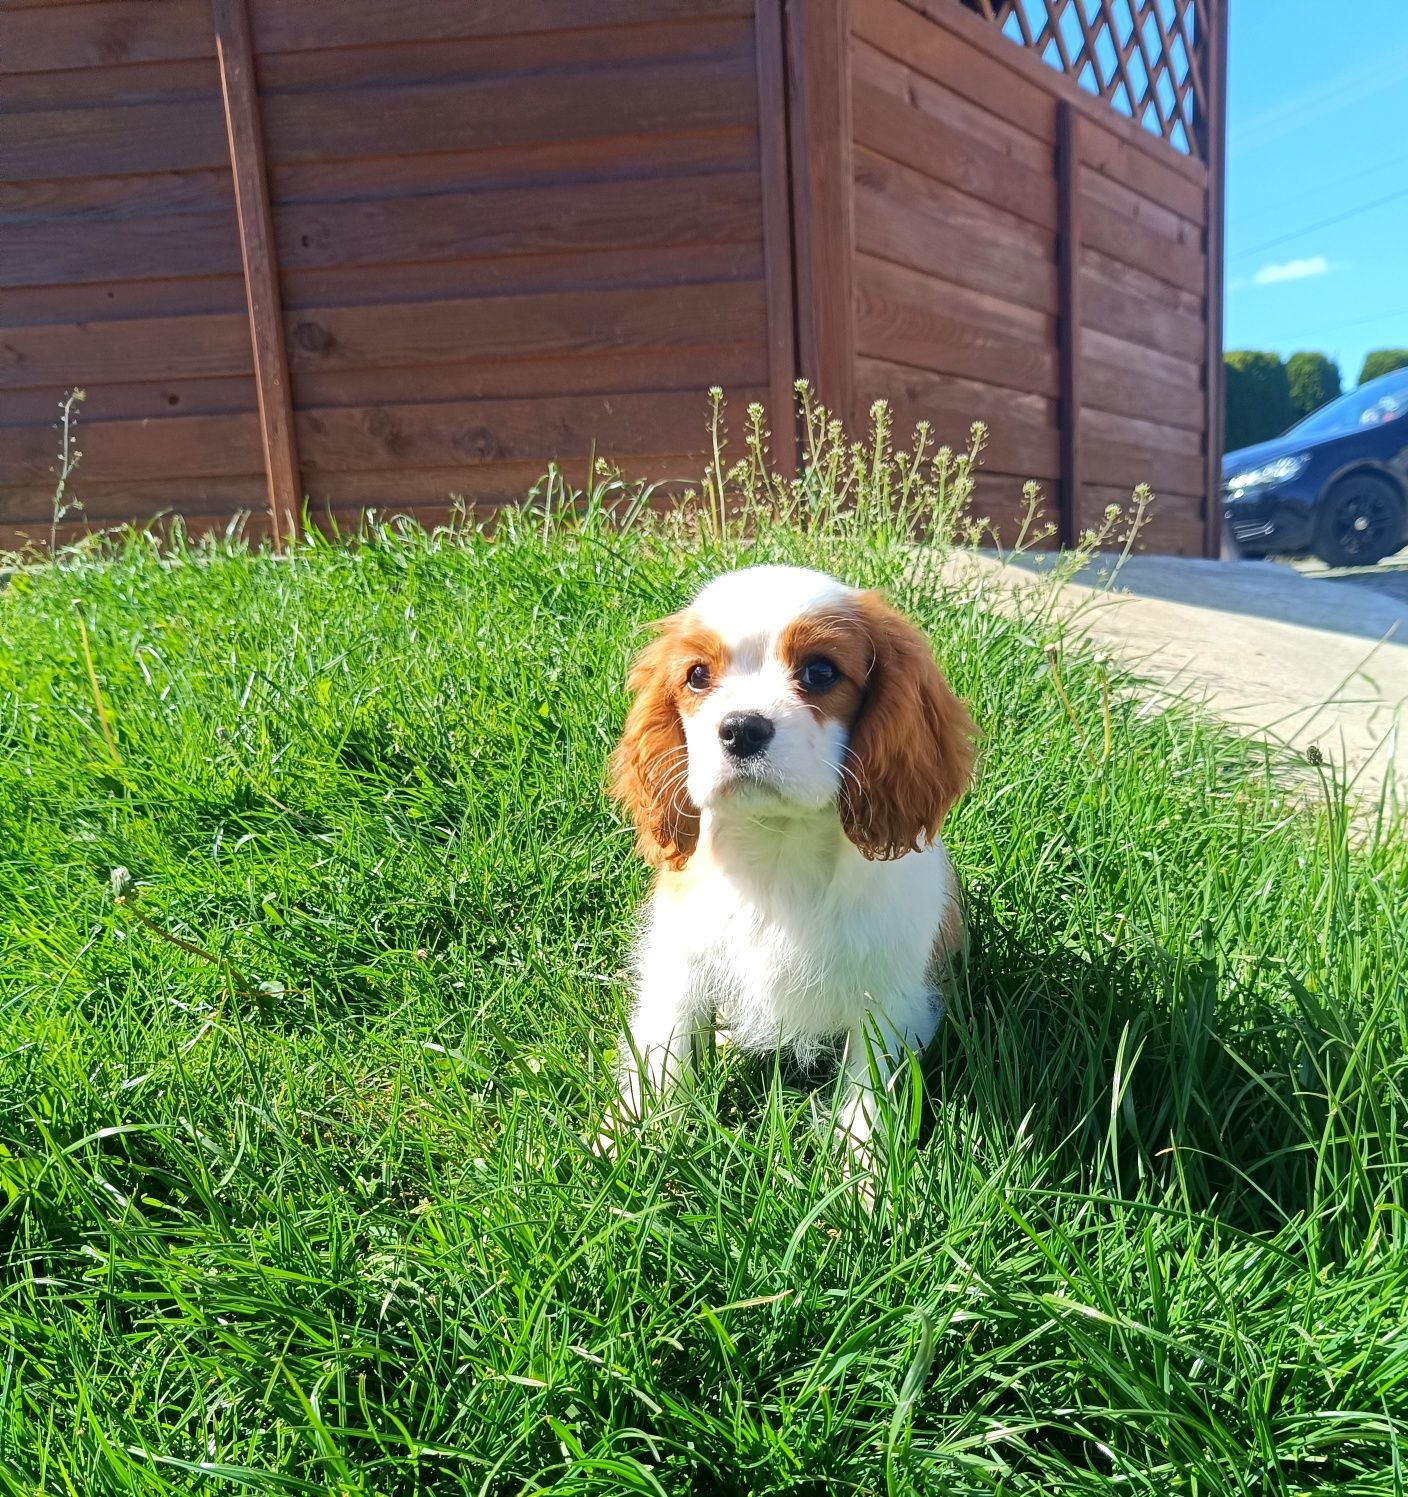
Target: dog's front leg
875 1052
667 1023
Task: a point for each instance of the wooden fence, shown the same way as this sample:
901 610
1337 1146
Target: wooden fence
1027 252
379 253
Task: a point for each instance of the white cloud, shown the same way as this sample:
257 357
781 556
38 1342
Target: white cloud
1291 270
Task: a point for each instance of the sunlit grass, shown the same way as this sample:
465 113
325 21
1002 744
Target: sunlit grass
295 1193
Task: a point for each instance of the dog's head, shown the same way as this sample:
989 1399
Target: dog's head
780 691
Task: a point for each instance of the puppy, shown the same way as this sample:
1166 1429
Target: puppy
789 756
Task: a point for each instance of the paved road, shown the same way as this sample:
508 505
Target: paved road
1305 661
1390 576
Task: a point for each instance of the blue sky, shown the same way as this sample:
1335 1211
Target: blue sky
1318 131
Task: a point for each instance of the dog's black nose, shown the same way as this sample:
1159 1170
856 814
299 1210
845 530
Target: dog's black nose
744 734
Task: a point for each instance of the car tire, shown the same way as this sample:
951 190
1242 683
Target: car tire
1358 522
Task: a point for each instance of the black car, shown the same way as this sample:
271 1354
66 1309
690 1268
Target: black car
1335 484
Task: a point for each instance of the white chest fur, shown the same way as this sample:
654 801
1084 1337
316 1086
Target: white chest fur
786 933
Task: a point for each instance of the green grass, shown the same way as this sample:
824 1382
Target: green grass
295 1193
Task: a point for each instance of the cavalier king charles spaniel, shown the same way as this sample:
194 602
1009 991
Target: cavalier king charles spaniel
789 756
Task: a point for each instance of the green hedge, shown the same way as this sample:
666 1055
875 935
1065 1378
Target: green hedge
1314 381
1383 361
1259 404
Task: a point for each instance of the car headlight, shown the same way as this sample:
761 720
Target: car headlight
1281 471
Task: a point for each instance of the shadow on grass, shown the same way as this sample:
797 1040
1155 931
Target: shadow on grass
1137 1069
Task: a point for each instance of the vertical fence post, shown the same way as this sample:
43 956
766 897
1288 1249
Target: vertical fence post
1214 150
777 231
1068 186
235 54
819 94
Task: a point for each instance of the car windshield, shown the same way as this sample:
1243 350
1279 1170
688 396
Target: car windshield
1383 399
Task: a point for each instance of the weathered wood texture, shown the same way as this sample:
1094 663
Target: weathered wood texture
501 232
1025 257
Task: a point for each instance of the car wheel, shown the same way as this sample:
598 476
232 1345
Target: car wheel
1359 522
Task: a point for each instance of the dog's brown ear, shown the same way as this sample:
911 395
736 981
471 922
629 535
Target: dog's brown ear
649 765
912 745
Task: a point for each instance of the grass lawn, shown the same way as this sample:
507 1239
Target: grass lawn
295 1194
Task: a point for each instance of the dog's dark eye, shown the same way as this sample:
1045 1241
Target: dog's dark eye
818 674
698 678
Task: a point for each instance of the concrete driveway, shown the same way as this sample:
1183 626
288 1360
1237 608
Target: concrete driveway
1303 660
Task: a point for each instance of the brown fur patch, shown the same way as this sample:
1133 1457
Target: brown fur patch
911 748
648 767
838 636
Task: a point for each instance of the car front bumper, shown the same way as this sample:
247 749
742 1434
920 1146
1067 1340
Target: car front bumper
1265 520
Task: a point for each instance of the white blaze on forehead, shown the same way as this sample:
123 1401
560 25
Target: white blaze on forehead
754 606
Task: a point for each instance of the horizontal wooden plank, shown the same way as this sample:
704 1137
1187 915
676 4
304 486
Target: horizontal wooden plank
1122 200
107 503
695 369
172 135
996 312
1107 153
114 451
31 306
513 221
138 349
105 33
1129 392
158 247
721 153
370 438
102 34
121 83
522 220
1148 432
517 275
1132 241
954 63
891 128
1139 358
449 332
907 217
732 367
352 438
717 152
1125 463
116 401
630 99
424 493
454 332
1122 313
429 60
186 135
1023 437
895 77
913 319
541 163
100 199
1139 286
294 25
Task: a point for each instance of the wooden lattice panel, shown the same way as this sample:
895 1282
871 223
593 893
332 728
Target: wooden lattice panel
1143 57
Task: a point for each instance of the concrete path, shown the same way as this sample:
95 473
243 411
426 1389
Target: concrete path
1303 661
